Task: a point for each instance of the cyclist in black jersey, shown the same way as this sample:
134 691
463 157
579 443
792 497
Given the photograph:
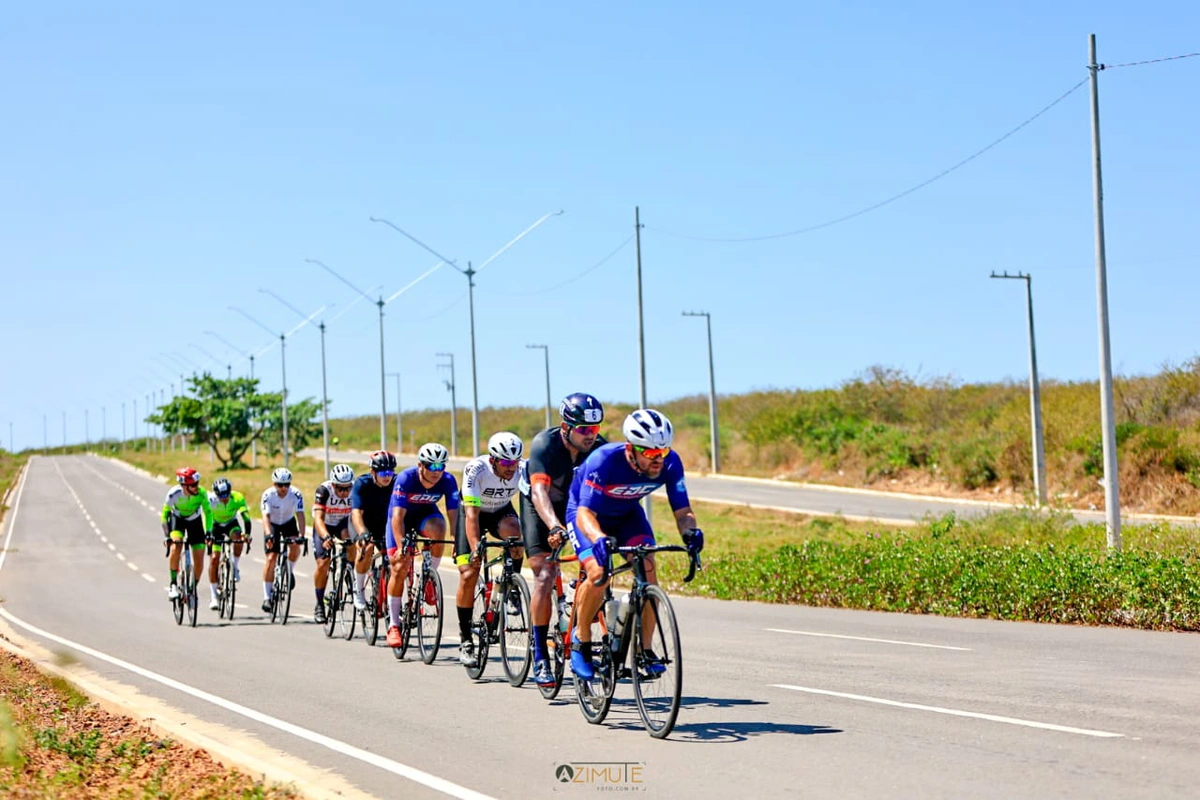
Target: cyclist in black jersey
369 500
546 479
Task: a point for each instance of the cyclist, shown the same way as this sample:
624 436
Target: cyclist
545 480
282 517
227 506
413 510
186 511
331 517
489 482
604 502
369 500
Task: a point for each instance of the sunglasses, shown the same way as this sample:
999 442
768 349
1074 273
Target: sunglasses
652 452
436 466
508 462
221 496
341 487
282 485
586 430
385 473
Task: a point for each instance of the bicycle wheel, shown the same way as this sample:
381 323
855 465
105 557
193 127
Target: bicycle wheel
285 599
193 601
657 684
515 640
555 643
330 603
595 696
227 588
370 616
345 602
407 615
479 632
278 585
429 626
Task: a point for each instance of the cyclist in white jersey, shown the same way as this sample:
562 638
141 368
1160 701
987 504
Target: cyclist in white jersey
331 518
282 516
489 484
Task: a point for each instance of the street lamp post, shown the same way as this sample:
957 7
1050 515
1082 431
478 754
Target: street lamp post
546 352
714 431
1035 394
399 417
453 403
470 272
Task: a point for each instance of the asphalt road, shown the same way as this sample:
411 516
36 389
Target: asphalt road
818 500
778 701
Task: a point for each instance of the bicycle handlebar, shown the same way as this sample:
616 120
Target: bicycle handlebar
640 551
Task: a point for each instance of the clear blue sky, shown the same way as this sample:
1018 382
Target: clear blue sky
163 161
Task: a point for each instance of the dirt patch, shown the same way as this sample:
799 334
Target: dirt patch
55 743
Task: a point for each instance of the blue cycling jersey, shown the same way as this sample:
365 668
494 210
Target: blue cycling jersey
609 487
409 493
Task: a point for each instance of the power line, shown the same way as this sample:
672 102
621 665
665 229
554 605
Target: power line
889 200
592 268
1149 61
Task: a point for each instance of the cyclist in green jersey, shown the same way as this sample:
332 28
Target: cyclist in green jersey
227 507
186 511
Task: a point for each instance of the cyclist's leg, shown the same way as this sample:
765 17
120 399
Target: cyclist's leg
468 574
638 532
238 545
271 552
362 566
291 529
321 574
397 571
588 596
175 534
541 604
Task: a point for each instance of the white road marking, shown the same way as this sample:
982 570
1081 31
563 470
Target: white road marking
148 577
396 768
953 712
121 556
112 547
867 639
131 565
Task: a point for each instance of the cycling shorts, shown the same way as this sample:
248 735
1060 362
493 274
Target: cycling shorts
630 529
190 529
225 530
271 538
336 531
489 522
417 526
534 529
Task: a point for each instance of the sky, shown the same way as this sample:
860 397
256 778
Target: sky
161 162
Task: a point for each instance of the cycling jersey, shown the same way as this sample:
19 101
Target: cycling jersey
483 489
335 506
607 485
372 499
226 512
281 509
551 463
187 506
418 500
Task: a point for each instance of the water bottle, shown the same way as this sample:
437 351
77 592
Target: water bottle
564 616
612 616
489 613
623 612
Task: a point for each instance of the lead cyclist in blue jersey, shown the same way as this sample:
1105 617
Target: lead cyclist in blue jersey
603 501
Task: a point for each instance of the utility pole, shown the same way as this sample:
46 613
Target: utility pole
1108 423
712 392
546 352
45 435
453 403
1035 394
637 232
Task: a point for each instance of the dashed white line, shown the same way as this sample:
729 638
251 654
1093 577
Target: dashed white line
868 639
121 556
134 567
147 577
954 712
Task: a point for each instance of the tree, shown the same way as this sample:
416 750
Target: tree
234 414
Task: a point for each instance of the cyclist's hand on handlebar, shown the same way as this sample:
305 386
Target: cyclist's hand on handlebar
557 536
694 539
600 551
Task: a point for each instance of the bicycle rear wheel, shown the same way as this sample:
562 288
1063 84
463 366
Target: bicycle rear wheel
330 602
429 626
229 591
178 603
515 640
285 600
192 600
370 616
479 632
347 616
407 615
657 684
556 644
595 696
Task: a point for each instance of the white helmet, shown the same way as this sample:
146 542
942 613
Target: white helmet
506 445
646 427
341 473
432 453
281 475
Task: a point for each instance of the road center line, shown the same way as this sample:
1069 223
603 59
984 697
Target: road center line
396 768
951 711
867 639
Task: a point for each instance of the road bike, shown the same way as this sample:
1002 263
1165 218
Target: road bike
226 585
339 592
637 637
558 639
375 593
186 582
423 602
500 613
282 580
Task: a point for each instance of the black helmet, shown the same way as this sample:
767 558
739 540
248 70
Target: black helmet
222 487
581 409
382 461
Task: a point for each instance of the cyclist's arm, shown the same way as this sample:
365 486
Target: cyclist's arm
206 511
539 493
685 520
356 519
397 523
451 521
587 523
471 522
300 523
319 523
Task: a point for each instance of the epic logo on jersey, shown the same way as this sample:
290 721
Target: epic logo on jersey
424 498
631 491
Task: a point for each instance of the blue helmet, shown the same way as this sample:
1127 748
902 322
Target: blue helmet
581 409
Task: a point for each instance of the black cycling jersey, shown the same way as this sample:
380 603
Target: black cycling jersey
372 500
549 456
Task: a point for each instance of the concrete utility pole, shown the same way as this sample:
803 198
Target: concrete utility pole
453 403
1035 394
1108 423
546 352
712 393
637 232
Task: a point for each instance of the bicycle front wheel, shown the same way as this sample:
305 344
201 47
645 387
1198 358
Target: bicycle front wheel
408 615
429 626
330 602
515 639
193 601
345 603
657 663
285 599
370 616
595 696
558 661
228 587
479 631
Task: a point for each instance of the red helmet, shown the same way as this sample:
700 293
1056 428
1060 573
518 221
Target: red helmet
187 476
